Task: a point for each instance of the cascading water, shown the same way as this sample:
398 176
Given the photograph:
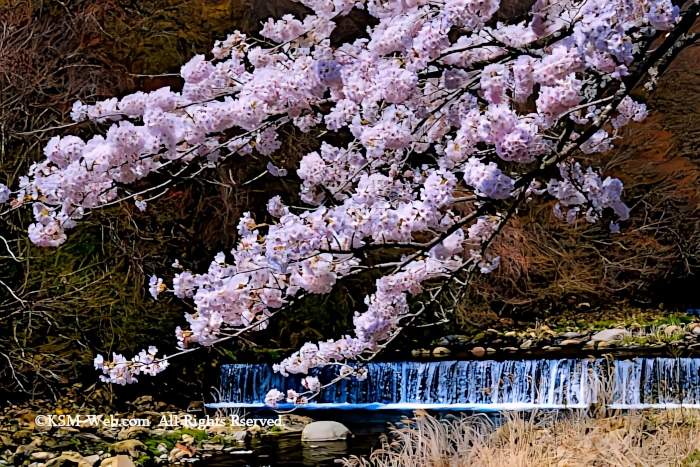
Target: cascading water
483 385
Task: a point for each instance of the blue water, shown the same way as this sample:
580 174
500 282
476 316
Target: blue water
485 385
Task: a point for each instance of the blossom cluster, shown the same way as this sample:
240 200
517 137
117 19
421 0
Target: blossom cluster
440 103
122 371
5 193
580 191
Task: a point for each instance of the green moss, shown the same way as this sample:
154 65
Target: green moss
152 445
176 436
693 460
604 324
218 439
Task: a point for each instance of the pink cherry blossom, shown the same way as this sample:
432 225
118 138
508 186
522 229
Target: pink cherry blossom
431 129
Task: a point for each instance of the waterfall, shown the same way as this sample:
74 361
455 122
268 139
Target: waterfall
483 385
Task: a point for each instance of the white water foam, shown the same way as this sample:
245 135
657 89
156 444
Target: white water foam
487 385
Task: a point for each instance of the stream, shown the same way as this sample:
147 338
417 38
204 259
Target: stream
287 449
445 388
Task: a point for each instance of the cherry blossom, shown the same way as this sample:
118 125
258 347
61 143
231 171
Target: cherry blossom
4 193
311 383
273 397
122 371
432 128
155 286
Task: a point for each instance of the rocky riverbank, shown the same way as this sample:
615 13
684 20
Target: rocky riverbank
643 332
84 430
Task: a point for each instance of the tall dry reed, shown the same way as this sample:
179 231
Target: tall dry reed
561 439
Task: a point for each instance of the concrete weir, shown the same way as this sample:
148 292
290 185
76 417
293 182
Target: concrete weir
483 385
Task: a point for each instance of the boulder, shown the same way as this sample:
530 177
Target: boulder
292 422
239 436
195 406
132 432
132 446
143 401
589 345
452 340
43 456
223 430
671 330
325 431
64 431
441 351
71 458
507 322
610 335
572 342
479 351
118 461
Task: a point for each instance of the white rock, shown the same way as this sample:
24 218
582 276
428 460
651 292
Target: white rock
92 459
123 461
118 461
610 335
325 431
239 436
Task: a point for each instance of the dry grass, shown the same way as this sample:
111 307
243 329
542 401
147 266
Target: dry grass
561 439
